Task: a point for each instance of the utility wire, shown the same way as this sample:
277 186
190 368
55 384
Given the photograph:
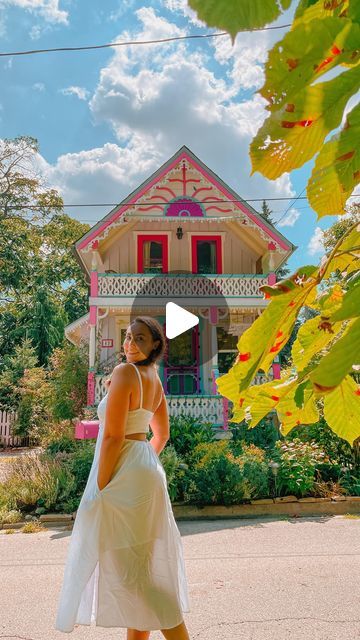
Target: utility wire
299 197
164 204
139 42
148 204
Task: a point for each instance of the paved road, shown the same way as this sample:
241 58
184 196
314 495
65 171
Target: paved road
249 579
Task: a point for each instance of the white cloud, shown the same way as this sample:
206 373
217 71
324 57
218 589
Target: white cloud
168 96
316 244
48 9
156 99
35 32
39 86
181 6
106 174
124 6
79 92
290 219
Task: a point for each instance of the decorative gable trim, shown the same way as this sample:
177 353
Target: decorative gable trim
159 188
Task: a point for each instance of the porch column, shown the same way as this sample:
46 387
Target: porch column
92 324
213 319
271 280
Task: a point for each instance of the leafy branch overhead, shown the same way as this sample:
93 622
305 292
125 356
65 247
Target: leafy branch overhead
325 354
324 36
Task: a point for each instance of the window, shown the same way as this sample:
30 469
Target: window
152 257
152 254
227 349
206 254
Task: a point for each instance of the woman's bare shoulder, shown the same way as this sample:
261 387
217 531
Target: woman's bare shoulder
122 370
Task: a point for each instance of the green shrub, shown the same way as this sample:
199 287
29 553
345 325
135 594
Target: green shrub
264 435
255 470
37 481
33 413
59 437
297 464
68 379
339 451
78 463
350 481
175 470
186 432
215 476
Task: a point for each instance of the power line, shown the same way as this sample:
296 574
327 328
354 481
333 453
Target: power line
299 197
148 204
164 204
139 42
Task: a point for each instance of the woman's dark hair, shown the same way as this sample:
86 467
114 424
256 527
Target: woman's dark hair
157 334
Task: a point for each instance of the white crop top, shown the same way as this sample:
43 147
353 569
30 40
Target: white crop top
138 419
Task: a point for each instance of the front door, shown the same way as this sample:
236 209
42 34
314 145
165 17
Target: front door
181 363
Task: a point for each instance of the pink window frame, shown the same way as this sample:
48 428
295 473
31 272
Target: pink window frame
157 238
194 240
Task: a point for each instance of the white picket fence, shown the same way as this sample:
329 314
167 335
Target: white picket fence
7 439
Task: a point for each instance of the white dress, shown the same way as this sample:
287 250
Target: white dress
125 565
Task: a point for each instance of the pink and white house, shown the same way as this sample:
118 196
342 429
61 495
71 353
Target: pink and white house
183 218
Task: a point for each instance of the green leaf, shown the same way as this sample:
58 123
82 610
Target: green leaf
289 284
339 361
304 54
259 400
238 15
290 415
337 169
309 10
259 344
347 257
350 307
312 337
293 134
342 410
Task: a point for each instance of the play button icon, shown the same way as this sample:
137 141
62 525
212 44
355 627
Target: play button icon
178 320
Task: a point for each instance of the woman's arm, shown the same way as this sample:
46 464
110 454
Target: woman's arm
117 408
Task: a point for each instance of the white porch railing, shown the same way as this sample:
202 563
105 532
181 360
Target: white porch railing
207 407
178 285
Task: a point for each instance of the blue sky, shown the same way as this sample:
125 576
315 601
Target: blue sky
106 119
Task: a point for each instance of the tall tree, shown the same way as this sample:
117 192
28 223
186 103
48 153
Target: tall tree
37 270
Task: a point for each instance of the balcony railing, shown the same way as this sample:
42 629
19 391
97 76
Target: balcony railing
180 285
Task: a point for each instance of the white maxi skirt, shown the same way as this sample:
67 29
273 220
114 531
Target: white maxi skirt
125 565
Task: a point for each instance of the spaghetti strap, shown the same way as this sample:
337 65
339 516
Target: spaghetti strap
140 381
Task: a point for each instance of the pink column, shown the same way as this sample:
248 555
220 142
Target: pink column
276 363
225 413
94 289
91 388
276 370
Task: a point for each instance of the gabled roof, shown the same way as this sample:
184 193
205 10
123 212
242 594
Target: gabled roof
184 153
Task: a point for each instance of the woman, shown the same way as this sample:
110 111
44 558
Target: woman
125 565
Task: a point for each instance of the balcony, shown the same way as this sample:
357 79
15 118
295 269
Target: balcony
190 289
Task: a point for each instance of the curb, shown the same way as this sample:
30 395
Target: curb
288 505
